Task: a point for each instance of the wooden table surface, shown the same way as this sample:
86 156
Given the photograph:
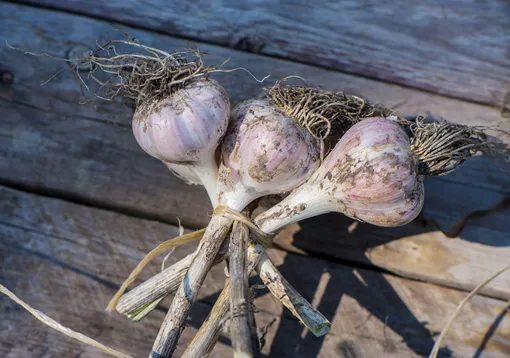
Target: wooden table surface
80 203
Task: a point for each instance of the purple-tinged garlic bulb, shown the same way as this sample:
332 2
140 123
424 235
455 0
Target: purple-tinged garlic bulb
185 129
264 152
371 175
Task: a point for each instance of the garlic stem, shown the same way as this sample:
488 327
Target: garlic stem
239 293
160 285
207 170
291 298
238 196
277 284
183 172
207 336
154 288
187 293
303 203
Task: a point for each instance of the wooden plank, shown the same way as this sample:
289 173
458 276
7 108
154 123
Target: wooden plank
455 48
87 153
76 301
414 251
64 258
338 290
418 250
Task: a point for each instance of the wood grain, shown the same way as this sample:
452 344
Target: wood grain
86 153
418 250
61 258
458 48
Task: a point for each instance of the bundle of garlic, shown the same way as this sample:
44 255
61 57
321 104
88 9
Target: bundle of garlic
278 145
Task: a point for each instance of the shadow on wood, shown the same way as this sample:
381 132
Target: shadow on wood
371 291
490 332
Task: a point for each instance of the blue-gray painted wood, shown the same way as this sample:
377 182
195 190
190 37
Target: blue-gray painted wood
458 48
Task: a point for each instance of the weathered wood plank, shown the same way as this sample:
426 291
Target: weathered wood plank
457 48
54 254
75 301
87 153
414 251
417 250
368 320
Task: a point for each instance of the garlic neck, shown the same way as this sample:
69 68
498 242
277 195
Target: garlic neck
207 170
231 191
304 202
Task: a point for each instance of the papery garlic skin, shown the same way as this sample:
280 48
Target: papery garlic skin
182 127
184 172
371 175
186 128
264 152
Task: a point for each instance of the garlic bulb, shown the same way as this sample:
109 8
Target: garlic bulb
264 152
186 129
371 175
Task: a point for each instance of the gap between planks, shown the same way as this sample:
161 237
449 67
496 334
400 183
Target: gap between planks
92 203
277 248
43 193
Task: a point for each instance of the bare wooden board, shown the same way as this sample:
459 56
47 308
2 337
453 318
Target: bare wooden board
76 301
65 260
458 48
86 152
